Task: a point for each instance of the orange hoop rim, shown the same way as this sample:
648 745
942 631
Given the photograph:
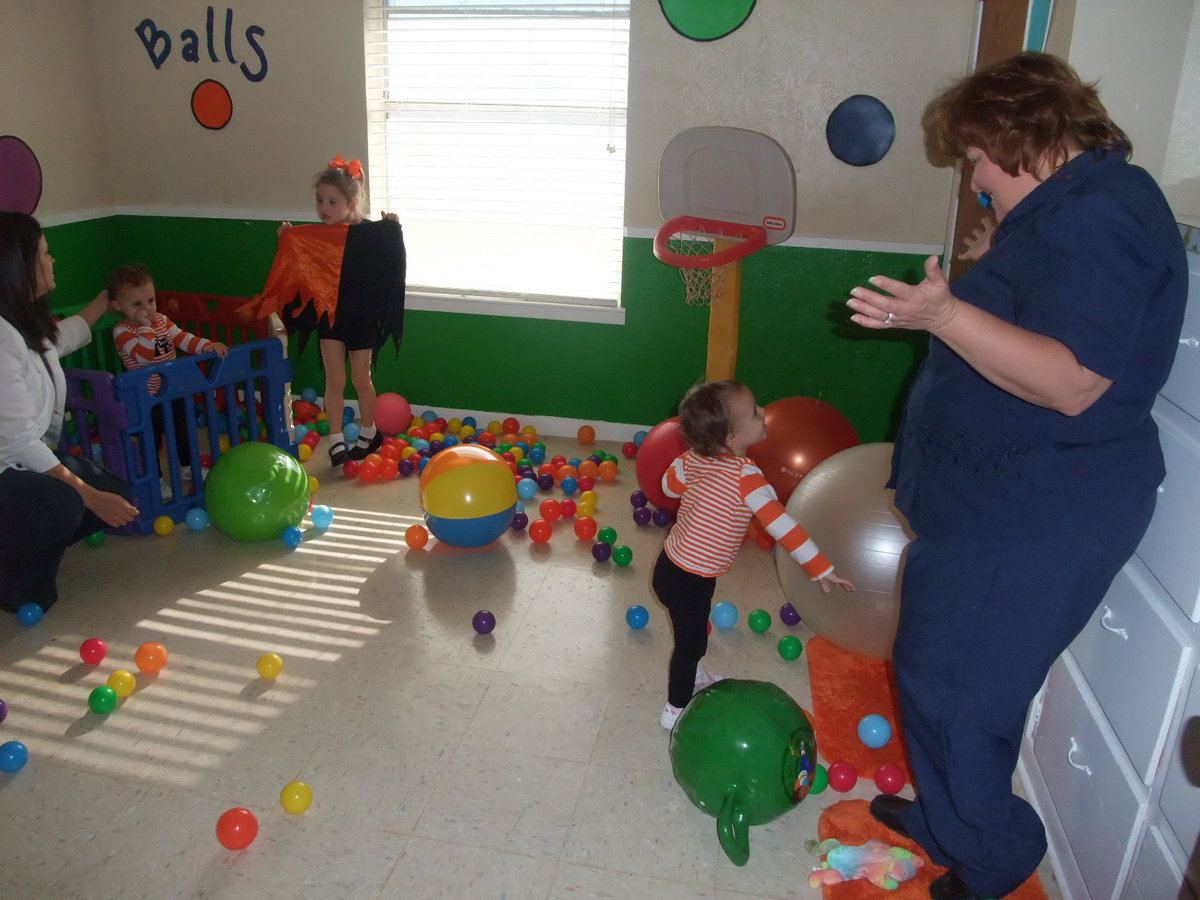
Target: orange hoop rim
754 238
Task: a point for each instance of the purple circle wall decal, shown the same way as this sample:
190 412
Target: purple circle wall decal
20 176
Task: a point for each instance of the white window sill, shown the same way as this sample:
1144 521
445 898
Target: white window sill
519 309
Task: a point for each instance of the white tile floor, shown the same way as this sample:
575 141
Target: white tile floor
524 764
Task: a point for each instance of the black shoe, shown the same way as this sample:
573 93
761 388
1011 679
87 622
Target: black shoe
362 450
338 454
886 809
951 887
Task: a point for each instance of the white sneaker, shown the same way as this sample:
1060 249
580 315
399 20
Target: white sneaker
164 489
670 715
185 473
705 678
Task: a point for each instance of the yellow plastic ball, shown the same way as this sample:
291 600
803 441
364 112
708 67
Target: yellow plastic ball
296 797
467 431
313 484
164 525
454 425
322 417
122 682
417 422
586 509
223 443
588 497
304 452
518 453
495 427
270 665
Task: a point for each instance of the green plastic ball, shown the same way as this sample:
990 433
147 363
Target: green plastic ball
622 555
790 647
255 491
607 534
820 780
760 621
95 539
102 700
323 427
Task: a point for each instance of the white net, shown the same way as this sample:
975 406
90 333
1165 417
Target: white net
702 287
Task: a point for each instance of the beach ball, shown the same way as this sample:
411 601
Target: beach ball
853 519
255 491
468 495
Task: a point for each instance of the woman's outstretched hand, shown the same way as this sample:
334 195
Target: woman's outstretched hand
928 306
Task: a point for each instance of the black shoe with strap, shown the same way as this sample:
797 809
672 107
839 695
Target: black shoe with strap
949 886
362 450
886 810
338 454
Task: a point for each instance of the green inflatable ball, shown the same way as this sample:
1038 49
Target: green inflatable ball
255 491
744 752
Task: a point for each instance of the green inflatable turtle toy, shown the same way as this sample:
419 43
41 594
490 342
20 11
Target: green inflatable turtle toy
743 751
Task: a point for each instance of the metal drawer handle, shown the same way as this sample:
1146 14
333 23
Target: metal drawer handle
1086 770
1189 342
1122 633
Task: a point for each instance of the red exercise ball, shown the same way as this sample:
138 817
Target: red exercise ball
801 432
393 414
659 448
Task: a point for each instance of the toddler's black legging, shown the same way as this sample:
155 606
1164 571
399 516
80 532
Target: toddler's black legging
688 599
40 517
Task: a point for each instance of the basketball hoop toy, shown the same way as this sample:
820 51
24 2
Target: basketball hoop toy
704 250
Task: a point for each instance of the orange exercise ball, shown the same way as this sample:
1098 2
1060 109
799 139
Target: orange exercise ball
801 432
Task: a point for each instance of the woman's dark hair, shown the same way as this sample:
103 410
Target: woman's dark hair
1021 111
704 419
20 235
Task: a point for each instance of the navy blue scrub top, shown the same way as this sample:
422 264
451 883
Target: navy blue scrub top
1093 258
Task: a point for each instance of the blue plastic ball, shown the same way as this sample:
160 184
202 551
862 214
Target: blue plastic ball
874 731
637 617
569 485
429 415
724 614
29 614
309 395
347 414
301 431
537 455
638 437
322 516
197 519
13 756
469 420
292 536
527 488
450 441
350 432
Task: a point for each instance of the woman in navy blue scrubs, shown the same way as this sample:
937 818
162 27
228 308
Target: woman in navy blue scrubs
1027 461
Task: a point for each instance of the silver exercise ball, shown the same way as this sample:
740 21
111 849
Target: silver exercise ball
843 505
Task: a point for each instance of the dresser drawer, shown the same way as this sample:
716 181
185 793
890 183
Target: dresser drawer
1155 875
1170 548
1183 385
1095 792
1180 800
1134 657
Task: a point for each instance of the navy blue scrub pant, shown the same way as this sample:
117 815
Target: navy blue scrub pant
40 517
981 622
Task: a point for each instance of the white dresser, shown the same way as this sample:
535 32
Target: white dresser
1111 754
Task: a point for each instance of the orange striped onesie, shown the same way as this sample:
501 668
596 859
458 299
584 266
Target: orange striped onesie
140 347
718 496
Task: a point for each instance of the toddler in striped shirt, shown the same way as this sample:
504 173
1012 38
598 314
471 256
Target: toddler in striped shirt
145 336
720 490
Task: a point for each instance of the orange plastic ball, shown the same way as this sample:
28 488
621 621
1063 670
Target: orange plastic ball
586 434
588 469
151 657
416 536
608 470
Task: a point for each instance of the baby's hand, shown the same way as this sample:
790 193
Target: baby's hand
219 348
283 226
391 217
844 583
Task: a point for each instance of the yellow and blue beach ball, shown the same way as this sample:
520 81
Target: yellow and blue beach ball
468 494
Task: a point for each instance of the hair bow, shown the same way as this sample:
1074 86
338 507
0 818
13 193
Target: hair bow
353 168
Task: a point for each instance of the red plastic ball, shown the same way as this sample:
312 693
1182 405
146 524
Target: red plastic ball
237 828
889 778
540 530
842 776
586 482
629 449
550 510
585 528
350 468
92 651
568 508
416 536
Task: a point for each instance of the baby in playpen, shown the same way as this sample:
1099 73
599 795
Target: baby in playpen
144 337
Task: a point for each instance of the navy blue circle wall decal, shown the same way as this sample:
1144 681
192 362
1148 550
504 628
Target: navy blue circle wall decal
860 130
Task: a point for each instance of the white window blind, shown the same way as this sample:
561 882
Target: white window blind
497 133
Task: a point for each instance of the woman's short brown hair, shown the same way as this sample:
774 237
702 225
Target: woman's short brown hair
1021 111
704 419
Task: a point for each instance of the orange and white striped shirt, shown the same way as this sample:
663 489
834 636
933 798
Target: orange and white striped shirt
718 497
140 347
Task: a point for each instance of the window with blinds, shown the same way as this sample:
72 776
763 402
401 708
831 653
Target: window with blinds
497 133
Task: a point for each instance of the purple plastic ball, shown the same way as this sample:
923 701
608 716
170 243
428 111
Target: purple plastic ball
3 710
405 466
663 517
788 615
601 551
483 622
545 482
641 515
638 499
436 446
519 521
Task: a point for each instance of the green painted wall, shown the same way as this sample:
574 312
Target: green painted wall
795 338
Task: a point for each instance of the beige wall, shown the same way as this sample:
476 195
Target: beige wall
49 97
782 73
